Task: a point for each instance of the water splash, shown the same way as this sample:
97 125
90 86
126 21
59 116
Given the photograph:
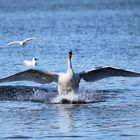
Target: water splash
80 98
42 96
35 94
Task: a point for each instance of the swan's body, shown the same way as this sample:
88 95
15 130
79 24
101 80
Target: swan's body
69 81
31 63
21 43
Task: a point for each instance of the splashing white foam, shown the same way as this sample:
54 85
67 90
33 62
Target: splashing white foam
42 96
65 98
82 97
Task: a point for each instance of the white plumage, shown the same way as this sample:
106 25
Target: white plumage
69 81
32 62
21 43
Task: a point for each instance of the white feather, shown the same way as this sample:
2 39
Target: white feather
29 63
21 43
68 82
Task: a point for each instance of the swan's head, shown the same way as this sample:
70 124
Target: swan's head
70 53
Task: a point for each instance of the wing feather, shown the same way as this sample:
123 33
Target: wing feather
104 72
14 42
28 39
32 75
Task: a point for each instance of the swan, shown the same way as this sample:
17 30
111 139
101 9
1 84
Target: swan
21 43
32 62
69 81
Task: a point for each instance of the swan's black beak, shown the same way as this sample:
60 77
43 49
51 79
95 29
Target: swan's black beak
70 53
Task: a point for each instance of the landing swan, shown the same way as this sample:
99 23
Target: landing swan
21 43
69 81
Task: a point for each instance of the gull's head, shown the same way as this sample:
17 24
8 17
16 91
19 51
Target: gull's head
35 59
70 53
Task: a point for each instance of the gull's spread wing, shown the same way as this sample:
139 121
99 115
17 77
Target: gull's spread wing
14 42
32 75
104 72
28 39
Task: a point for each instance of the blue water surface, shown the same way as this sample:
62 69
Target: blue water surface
100 33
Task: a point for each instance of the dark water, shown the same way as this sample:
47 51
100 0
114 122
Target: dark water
100 32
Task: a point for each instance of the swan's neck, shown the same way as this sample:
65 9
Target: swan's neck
70 69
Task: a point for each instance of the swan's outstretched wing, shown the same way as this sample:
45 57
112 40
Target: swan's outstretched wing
14 42
104 72
28 39
32 75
